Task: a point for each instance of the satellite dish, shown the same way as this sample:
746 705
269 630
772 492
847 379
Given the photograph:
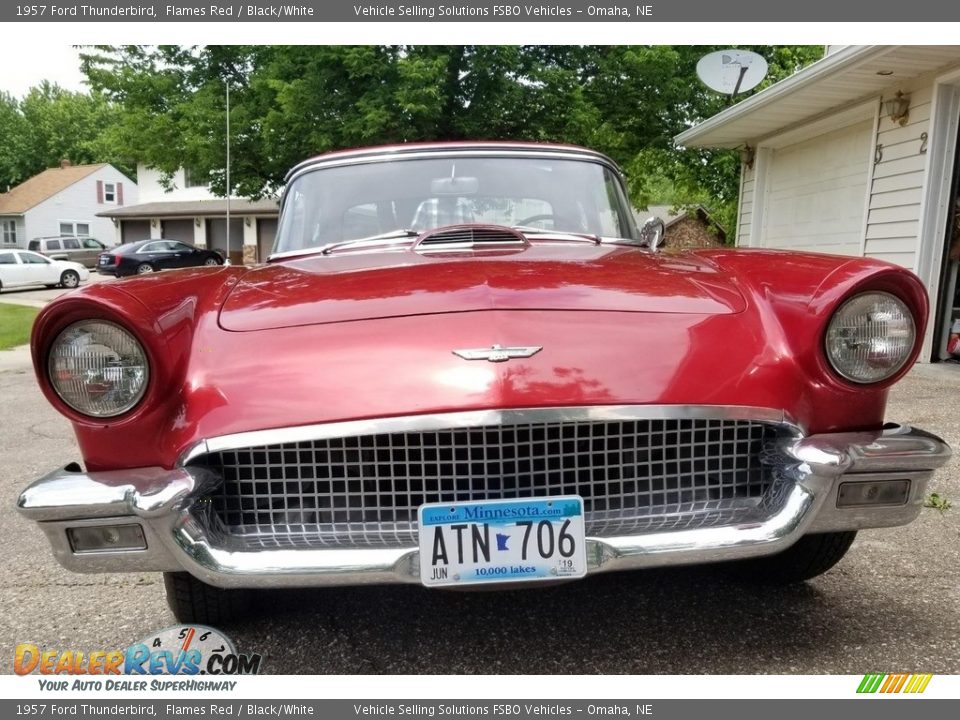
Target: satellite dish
732 71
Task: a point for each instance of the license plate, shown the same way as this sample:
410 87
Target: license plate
498 541
103 261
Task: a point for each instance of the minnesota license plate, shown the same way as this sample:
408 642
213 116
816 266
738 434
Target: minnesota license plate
497 541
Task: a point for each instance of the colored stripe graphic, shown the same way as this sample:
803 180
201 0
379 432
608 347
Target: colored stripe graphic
888 683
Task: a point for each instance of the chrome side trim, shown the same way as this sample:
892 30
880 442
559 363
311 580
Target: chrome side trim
476 418
145 492
899 448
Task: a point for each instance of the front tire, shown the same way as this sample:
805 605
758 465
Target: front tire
69 279
810 556
144 269
193 601
209 262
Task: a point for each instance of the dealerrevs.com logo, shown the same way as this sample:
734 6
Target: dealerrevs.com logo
178 650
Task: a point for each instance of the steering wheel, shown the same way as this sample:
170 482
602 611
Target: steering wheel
537 218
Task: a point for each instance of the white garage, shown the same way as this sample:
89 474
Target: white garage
856 154
815 192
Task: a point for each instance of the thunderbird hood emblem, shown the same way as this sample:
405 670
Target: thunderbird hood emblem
496 353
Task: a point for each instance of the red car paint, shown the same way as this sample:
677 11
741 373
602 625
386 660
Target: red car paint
324 339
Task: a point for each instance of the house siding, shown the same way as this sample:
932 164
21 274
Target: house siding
152 189
896 192
78 203
745 211
893 187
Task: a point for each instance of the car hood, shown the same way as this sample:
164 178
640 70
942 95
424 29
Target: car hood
570 277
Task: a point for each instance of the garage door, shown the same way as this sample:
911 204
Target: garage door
217 238
134 230
817 192
266 233
181 230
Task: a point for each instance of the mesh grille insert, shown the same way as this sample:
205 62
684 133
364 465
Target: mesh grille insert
633 475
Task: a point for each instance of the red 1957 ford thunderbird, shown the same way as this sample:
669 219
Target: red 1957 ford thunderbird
465 365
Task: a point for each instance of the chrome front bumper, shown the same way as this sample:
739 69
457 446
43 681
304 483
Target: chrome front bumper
162 503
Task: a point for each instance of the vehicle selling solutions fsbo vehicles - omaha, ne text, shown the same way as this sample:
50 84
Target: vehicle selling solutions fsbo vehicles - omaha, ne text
481 371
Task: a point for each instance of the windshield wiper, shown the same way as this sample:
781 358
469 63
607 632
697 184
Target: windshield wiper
595 239
381 239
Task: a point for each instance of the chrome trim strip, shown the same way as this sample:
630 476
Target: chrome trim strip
446 150
898 448
226 567
145 492
498 152
476 418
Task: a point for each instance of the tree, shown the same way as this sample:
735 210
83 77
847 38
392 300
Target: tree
288 103
13 130
51 124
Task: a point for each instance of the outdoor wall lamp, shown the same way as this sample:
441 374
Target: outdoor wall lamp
898 108
153 222
247 221
747 156
196 221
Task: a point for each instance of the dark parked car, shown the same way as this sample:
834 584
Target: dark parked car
147 256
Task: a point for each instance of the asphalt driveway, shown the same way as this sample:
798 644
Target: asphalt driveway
891 605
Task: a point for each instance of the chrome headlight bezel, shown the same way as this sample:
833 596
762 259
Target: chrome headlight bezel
135 349
906 321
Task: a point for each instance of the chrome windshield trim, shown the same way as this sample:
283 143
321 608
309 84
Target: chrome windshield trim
400 152
476 418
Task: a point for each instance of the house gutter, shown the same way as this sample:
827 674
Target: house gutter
841 60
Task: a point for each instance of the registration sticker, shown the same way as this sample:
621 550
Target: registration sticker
496 541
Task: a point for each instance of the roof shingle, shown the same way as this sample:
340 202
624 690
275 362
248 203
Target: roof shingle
43 186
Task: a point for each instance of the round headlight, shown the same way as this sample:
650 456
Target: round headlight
98 368
870 337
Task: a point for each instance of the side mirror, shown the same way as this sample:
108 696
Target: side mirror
652 233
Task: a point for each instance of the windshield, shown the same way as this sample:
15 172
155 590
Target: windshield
337 204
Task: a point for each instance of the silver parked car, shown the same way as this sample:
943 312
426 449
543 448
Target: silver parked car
84 250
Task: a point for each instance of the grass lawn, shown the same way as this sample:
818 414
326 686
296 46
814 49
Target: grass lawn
15 324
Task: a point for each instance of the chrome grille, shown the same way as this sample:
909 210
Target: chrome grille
634 475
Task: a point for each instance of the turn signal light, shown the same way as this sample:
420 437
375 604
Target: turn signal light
876 492
106 538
